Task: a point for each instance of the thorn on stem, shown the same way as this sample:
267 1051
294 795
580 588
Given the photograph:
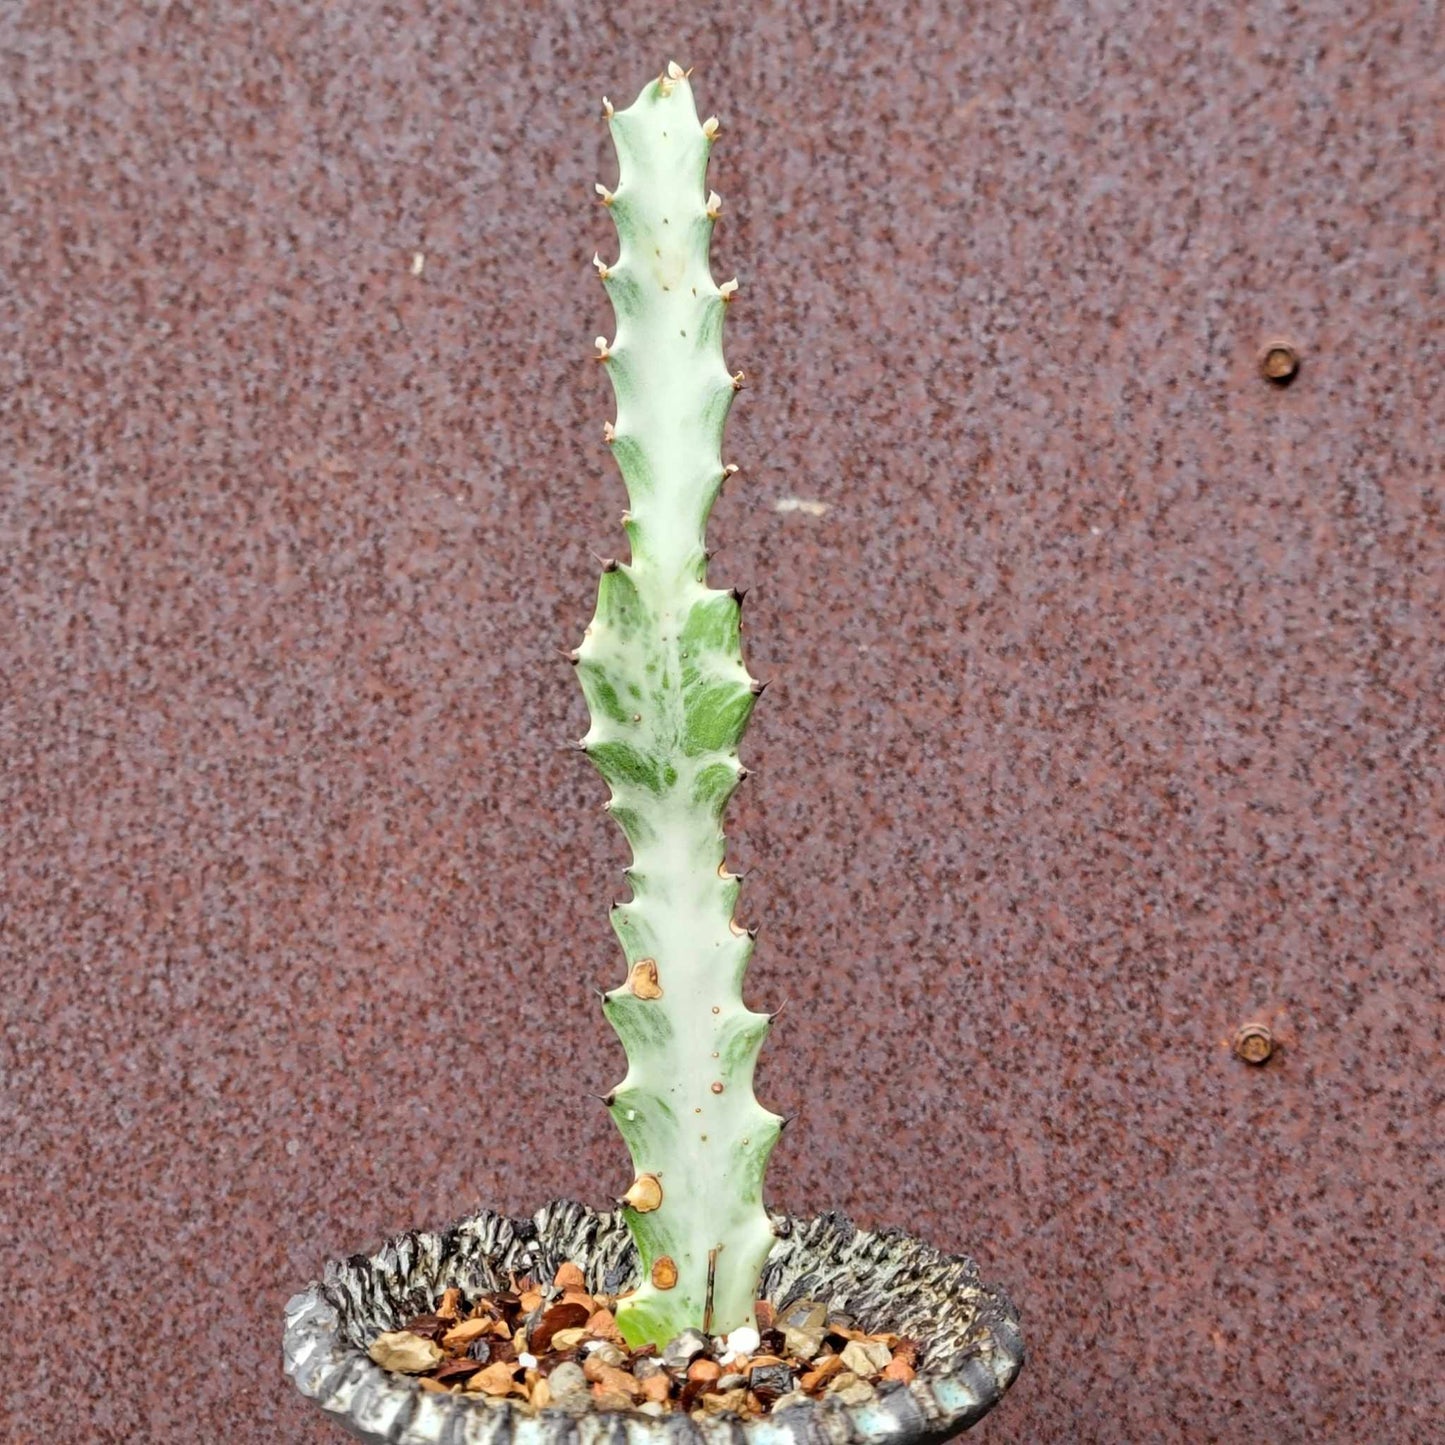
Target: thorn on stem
737 594
773 1017
727 290
608 564
714 205
607 111
710 127
604 193
758 688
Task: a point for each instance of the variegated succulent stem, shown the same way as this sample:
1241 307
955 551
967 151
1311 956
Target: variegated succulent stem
669 695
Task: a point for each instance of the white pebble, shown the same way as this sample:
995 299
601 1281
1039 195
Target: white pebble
526 1361
743 1341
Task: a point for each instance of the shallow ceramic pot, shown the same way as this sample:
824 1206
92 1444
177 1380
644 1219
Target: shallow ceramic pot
885 1280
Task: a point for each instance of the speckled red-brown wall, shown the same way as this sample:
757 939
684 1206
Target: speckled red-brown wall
1108 675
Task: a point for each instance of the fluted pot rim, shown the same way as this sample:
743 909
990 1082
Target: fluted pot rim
972 1347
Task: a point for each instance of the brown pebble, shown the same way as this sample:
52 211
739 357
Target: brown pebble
822 1372
656 1387
619 1380
602 1372
604 1399
493 1380
704 1370
563 1316
569 1276
735 1401
897 1369
453 1372
603 1324
905 1349
431 1327
460 1336
405 1353
851 1390
865 1357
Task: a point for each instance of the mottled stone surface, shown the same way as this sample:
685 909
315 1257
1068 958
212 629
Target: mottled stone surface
882 1279
1105 713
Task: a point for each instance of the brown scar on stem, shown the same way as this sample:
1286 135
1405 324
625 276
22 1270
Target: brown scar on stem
643 980
711 1280
645 1194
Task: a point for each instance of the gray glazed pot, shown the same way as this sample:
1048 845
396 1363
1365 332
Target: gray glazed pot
884 1279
